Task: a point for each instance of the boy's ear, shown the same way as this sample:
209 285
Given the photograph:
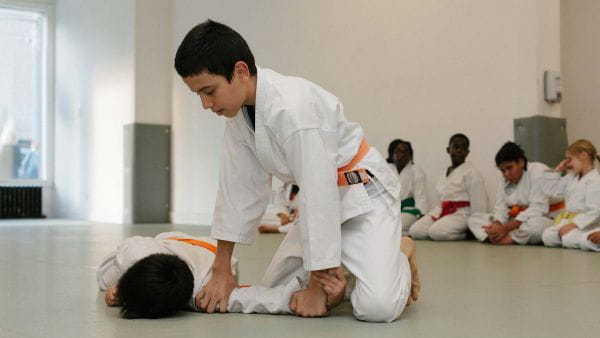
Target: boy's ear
241 70
448 150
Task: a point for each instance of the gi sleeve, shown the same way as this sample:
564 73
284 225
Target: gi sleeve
553 185
501 208
319 224
591 215
243 195
477 194
538 202
420 191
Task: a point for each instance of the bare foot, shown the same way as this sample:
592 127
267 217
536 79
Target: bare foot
408 248
506 240
334 285
268 229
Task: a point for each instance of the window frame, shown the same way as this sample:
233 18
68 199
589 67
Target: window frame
46 8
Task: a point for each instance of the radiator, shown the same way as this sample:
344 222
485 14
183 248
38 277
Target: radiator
20 202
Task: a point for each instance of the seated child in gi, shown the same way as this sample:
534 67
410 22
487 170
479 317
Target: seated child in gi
578 182
521 211
282 210
413 184
462 194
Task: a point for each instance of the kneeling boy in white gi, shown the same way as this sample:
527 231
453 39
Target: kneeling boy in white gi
581 191
462 192
293 129
520 213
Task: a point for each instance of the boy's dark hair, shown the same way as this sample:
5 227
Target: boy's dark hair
459 135
295 189
213 48
155 286
510 151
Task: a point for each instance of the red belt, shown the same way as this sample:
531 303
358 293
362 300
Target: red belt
450 207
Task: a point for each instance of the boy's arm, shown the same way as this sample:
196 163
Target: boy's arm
501 208
222 282
477 194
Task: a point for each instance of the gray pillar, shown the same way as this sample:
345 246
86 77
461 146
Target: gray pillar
543 138
147 173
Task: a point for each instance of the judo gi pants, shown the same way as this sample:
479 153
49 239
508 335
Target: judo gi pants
370 252
530 232
451 227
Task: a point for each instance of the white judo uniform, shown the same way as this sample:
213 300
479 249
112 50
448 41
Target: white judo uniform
413 195
301 136
582 207
464 184
253 299
526 193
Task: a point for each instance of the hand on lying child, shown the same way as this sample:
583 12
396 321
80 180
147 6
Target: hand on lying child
310 302
334 285
215 294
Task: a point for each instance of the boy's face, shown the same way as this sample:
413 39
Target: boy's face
512 171
401 155
218 95
458 150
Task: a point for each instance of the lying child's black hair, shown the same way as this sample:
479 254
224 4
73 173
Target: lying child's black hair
295 189
155 286
510 151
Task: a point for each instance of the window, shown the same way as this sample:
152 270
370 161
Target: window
24 92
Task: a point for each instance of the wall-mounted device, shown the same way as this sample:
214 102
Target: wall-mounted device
552 89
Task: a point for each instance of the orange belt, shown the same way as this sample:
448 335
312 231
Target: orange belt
347 176
556 206
196 242
516 209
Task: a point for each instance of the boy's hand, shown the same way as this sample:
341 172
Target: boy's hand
284 218
334 285
495 231
594 237
216 292
310 302
110 297
565 229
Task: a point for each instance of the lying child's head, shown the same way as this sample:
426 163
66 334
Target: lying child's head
511 161
581 156
155 286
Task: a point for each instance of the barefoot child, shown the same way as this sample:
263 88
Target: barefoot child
282 210
580 189
520 213
297 131
462 194
413 194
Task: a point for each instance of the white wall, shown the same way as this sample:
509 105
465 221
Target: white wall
94 99
153 61
418 70
580 26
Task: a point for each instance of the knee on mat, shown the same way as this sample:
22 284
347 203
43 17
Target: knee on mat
416 234
376 309
439 234
550 238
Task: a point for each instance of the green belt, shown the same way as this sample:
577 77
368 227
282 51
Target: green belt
407 206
